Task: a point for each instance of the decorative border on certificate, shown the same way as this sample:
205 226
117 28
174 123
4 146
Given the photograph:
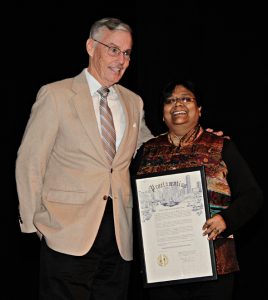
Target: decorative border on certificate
172 208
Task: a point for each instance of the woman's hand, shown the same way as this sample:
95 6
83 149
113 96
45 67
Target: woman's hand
214 226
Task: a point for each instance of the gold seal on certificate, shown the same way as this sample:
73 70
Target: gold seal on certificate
162 260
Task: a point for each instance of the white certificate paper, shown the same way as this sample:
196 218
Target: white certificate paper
172 210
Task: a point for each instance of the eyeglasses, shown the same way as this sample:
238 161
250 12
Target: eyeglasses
115 51
184 100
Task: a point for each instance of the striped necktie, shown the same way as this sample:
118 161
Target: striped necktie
107 125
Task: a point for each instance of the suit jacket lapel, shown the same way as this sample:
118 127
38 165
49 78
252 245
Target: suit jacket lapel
85 110
128 120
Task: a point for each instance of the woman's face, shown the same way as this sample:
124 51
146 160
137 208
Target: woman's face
180 111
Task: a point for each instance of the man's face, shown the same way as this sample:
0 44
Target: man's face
108 69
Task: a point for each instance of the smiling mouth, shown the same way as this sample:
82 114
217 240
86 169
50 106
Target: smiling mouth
179 113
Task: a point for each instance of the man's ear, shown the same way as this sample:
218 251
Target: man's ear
90 46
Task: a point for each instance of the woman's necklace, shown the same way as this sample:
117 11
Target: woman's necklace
174 139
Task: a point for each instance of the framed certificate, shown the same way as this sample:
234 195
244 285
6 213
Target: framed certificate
172 207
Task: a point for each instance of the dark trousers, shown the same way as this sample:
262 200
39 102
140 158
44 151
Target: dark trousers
101 274
220 289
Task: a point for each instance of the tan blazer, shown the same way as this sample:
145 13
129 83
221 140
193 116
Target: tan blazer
62 173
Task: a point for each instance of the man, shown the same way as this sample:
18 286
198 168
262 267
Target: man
78 202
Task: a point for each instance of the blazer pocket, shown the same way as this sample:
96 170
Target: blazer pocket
67 197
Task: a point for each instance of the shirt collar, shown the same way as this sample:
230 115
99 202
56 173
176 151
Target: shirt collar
94 85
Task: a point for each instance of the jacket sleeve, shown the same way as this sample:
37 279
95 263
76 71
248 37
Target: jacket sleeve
246 195
144 133
32 157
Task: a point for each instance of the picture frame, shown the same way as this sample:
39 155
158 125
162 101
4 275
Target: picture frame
172 207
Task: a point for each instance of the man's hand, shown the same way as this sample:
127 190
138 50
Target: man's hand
218 133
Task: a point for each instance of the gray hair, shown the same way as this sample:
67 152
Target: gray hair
108 23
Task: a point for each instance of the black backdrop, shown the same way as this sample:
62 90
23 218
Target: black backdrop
217 42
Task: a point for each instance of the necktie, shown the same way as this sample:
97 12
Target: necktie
107 125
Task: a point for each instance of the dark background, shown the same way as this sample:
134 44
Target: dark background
220 43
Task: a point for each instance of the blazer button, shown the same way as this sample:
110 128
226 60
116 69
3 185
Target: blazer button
105 197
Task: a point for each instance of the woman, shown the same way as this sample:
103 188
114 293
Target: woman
234 195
